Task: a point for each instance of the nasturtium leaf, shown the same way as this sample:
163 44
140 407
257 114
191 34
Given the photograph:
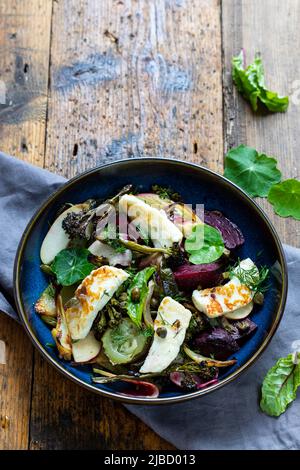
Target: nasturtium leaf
280 385
204 245
285 198
250 82
254 172
72 265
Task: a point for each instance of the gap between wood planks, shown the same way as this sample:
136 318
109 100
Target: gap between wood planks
48 87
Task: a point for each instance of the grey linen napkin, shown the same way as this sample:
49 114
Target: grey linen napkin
226 419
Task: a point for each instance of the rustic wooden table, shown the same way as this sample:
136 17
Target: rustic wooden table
91 81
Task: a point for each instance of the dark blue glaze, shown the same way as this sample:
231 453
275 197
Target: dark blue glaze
196 186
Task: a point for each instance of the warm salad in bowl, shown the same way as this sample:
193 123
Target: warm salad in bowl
148 290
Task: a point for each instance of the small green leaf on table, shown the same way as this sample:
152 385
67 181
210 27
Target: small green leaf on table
254 172
285 198
280 385
250 82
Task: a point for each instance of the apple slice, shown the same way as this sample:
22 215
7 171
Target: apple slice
86 349
240 313
57 239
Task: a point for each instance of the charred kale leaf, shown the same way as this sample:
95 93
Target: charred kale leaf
191 376
198 323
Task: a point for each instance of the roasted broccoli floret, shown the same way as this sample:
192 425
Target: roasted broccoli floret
100 326
176 258
78 225
114 316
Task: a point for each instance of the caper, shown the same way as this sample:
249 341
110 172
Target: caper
135 294
161 332
154 302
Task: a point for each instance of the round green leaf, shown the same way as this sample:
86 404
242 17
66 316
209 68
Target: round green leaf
285 198
254 172
72 265
204 245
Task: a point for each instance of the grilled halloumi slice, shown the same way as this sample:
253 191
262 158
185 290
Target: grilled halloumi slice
151 221
173 319
223 300
90 297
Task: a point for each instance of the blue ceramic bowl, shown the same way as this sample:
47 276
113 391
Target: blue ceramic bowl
197 185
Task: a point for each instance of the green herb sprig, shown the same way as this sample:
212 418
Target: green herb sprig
254 278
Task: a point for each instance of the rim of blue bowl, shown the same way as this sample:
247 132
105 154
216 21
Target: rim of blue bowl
115 395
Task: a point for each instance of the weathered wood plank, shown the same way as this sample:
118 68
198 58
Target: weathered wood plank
65 416
128 78
272 28
24 63
24 57
134 78
15 386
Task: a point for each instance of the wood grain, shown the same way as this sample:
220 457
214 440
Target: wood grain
24 58
133 78
24 64
15 386
65 416
270 27
128 78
